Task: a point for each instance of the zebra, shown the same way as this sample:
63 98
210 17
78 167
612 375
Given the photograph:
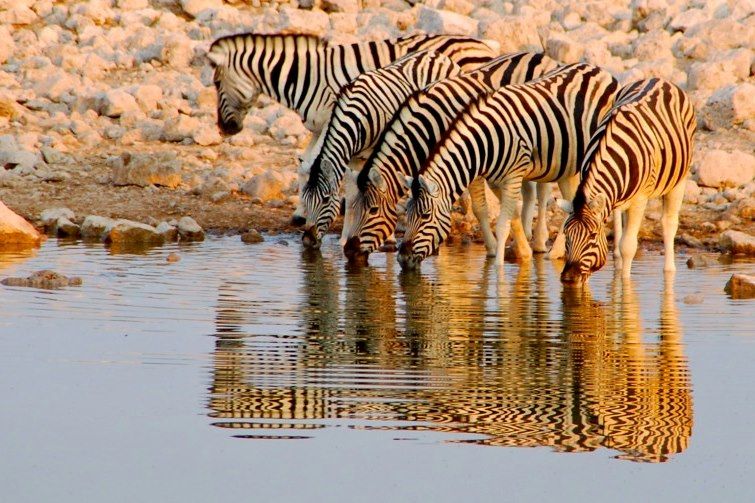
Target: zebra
407 142
534 131
363 108
641 150
305 74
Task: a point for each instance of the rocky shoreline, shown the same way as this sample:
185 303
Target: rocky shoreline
107 107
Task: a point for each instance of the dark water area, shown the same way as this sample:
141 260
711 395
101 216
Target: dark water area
264 372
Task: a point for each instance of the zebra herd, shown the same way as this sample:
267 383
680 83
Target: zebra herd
434 116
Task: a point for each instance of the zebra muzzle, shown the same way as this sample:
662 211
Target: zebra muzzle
573 275
309 238
353 251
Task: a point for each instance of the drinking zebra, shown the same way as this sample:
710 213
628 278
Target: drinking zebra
305 74
533 131
372 196
641 150
363 108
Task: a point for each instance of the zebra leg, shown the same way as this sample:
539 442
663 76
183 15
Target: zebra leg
617 227
635 212
509 192
672 203
528 206
541 231
568 187
480 210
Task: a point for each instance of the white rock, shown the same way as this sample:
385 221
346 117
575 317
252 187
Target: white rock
147 96
207 136
147 169
340 5
18 15
127 233
116 102
96 227
436 21
718 168
55 84
687 19
314 22
727 69
737 242
49 216
189 230
21 161
194 7
563 49
132 4
691 191
732 104
265 187
514 33
7 44
180 127
288 124
15 231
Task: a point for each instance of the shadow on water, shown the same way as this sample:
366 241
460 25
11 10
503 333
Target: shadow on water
458 350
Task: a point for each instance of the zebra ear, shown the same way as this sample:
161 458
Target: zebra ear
376 177
428 186
597 204
565 205
216 58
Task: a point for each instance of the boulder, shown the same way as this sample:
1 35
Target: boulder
741 286
731 104
189 230
162 169
64 228
96 227
127 234
169 232
7 44
252 236
514 33
116 102
265 187
434 21
288 124
194 7
737 243
206 136
15 232
340 5
726 69
718 168
147 96
180 127
50 217
314 22
46 279
563 49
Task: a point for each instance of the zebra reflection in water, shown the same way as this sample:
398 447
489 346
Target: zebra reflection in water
455 350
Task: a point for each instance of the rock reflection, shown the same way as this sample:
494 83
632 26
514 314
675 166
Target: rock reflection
459 351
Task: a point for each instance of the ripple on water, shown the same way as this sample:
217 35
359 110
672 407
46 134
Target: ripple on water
487 357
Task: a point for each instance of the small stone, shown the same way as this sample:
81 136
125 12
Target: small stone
435 21
695 298
170 232
698 261
50 217
148 169
96 227
173 257
741 286
128 234
252 236
189 230
737 243
64 228
691 241
49 280
718 168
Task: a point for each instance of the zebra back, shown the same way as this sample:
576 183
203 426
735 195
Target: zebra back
643 144
363 108
304 73
537 131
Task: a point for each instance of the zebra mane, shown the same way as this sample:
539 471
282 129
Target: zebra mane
264 36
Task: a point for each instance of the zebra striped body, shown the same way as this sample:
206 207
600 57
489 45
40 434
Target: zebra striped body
363 109
372 197
641 150
533 131
305 74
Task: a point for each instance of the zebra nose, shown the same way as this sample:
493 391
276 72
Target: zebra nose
309 238
571 275
353 251
229 127
298 220
405 248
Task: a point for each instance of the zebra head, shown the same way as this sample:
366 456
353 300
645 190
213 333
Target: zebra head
319 201
428 221
236 89
586 243
370 214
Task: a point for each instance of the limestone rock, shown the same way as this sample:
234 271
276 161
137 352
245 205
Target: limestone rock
206 136
563 49
314 22
96 227
436 21
741 286
170 232
189 230
180 127
115 103
64 228
340 5
737 243
731 104
266 187
194 7
514 33
718 168
252 236
148 169
15 232
49 280
50 217
7 44
127 233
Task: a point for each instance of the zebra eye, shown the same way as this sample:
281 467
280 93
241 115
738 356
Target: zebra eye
374 210
425 214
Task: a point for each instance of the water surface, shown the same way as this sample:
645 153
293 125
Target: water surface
266 372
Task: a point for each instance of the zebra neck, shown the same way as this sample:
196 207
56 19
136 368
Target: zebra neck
592 187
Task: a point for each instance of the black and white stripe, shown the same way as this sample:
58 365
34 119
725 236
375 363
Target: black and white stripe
641 150
534 131
362 111
408 140
305 74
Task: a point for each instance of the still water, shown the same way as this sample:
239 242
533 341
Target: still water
266 373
